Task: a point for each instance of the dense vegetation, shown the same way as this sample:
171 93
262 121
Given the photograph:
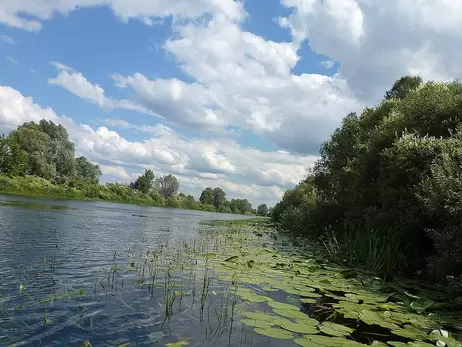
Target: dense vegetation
387 190
39 159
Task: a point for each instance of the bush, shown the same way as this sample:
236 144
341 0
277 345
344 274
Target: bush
388 184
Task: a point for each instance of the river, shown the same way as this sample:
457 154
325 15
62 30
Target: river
75 273
51 248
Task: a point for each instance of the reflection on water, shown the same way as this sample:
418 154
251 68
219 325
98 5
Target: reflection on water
111 274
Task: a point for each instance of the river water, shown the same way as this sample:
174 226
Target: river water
75 273
56 258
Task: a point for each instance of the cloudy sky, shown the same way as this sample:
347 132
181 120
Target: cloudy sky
228 93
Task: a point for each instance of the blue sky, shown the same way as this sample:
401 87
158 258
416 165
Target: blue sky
235 94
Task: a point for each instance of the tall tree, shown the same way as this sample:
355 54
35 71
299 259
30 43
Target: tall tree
144 183
218 198
262 210
167 185
86 171
206 196
402 87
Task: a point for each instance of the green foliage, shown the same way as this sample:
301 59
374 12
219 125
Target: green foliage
262 210
38 159
167 186
144 182
207 196
218 198
387 189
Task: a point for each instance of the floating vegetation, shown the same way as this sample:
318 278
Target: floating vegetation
238 282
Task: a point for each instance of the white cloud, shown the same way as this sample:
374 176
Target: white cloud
76 83
148 11
12 60
7 39
376 42
198 162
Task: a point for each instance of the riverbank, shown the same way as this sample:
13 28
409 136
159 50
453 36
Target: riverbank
111 192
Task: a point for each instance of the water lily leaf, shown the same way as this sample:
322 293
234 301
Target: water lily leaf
334 329
275 333
290 313
410 332
256 323
308 321
300 328
366 298
308 301
421 305
396 343
283 306
326 341
419 344
177 344
260 316
374 318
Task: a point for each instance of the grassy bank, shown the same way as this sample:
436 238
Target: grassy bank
37 186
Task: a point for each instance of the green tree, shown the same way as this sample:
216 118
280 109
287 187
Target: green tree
86 171
144 183
402 87
206 196
218 198
262 210
240 206
167 186
190 198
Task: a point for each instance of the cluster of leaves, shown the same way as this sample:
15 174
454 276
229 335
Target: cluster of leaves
216 200
388 186
44 150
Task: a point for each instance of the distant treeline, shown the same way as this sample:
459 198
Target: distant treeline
387 190
39 159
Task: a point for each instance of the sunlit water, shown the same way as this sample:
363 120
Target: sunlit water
69 273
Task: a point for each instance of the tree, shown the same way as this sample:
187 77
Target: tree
167 185
144 182
218 198
240 206
62 151
190 198
262 210
86 171
206 196
402 87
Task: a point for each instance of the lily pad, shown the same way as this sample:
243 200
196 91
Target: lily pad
275 333
326 341
257 323
374 318
335 329
290 313
283 306
300 328
410 332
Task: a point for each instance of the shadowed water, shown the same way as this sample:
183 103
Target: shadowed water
70 271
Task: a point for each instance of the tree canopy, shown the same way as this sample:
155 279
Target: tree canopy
390 177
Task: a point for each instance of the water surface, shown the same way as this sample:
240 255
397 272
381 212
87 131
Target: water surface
61 252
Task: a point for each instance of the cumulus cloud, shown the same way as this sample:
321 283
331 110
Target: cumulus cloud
198 162
76 83
148 11
376 42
